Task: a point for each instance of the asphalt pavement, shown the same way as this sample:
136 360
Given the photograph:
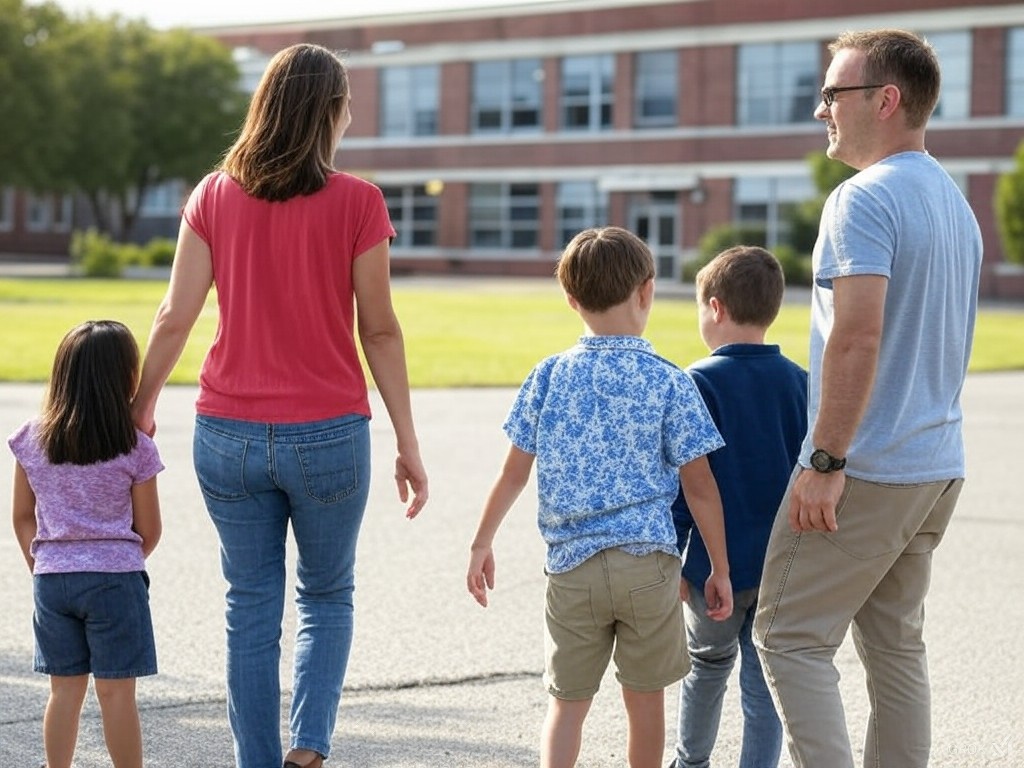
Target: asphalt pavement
435 680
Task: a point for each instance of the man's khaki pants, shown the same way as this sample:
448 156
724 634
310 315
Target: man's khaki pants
874 572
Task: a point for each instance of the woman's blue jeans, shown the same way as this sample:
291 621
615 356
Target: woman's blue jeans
255 479
713 647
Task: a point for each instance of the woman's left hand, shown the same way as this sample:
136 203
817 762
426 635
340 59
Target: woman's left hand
410 474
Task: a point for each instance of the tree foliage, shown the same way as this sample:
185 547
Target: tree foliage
109 108
1009 205
827 174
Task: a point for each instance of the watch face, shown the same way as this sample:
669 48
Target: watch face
821 461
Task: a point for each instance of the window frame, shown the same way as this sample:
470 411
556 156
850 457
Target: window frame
500 212
762 85
408 95
507 84
656 74
599 99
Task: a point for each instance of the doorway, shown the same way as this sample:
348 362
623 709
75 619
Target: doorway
654 217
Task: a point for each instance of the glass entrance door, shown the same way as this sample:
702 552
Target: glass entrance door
654 218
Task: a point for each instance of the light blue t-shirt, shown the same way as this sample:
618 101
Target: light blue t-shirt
905 219
610 423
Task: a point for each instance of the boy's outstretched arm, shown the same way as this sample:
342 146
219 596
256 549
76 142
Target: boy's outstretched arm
701 492
23 504
510 483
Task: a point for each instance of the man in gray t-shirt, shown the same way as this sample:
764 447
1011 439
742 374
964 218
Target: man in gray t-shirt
896 271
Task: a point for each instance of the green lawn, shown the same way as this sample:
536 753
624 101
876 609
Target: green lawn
455 336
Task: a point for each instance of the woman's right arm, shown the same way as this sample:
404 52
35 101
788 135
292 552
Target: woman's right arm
191 278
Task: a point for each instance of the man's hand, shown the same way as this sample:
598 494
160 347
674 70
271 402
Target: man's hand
813 500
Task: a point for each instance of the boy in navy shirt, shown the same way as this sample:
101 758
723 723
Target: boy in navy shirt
758 400
614 429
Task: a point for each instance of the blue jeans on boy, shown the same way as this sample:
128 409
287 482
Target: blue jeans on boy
713 647
255 479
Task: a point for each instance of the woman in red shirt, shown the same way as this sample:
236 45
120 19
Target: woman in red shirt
298 253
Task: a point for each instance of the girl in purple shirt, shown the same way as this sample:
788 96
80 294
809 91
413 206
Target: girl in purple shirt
86 515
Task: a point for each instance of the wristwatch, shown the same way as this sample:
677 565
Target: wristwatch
823 461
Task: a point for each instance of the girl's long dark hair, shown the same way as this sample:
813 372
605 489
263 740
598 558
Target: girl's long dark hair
87 414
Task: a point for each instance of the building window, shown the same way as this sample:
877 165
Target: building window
62 211
48 213
777 83
38 213
954 52
656 88
503 215
587 92
6 209
164 200
1015 72
580 204
413 214
408 100
767 202
251 63
508 96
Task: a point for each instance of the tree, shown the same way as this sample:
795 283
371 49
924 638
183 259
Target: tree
187 105
30 104
1009 205
827 174
97 88
109 108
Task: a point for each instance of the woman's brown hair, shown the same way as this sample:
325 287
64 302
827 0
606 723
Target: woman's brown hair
286 147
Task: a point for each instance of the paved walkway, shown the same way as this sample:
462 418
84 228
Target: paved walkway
437 681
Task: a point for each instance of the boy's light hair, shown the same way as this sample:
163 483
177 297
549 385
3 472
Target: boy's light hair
602 266
748 280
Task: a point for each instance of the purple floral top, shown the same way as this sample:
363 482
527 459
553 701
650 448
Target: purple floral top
84 511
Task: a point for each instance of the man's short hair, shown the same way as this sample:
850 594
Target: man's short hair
601 267
903 59
748 280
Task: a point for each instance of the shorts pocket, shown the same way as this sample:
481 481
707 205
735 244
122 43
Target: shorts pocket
219 461
329 469
657 600
569 604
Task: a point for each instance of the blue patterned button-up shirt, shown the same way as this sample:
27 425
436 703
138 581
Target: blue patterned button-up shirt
610 423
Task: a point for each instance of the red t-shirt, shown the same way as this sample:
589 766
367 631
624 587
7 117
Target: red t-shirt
285 347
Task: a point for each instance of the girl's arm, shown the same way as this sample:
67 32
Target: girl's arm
191 278
146 514
24 513
701 493
380 336
508 486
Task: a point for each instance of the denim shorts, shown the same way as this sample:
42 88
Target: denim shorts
99 623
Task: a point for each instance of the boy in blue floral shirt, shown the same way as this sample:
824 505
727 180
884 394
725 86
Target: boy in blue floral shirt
614 429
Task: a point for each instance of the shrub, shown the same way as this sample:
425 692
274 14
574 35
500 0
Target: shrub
96 254
795 266
719 238
160 252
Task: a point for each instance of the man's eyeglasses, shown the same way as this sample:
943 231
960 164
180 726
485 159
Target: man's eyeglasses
828 95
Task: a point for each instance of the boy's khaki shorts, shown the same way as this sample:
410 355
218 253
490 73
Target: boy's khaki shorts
614 600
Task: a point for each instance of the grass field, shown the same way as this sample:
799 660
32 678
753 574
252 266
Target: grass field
484 333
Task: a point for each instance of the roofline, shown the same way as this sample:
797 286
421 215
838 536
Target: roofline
505 9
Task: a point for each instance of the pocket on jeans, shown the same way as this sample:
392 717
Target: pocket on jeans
329 469
219 462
